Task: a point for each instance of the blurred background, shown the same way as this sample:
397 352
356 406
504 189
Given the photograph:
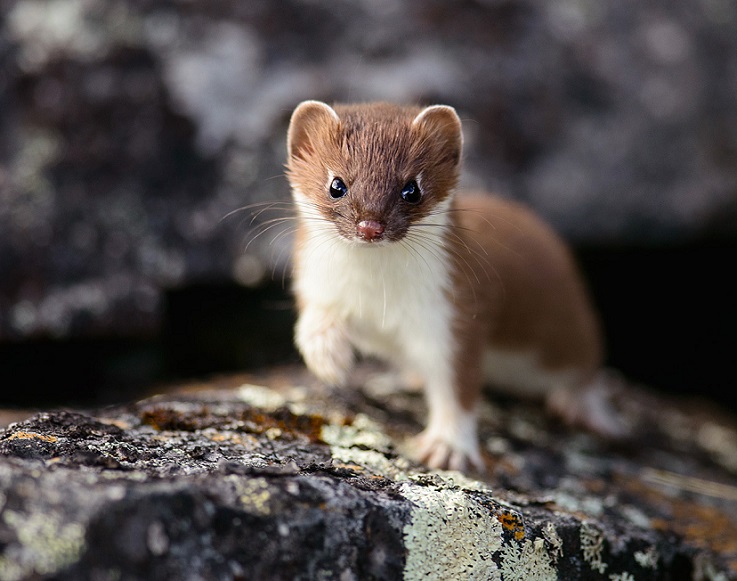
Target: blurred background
131 132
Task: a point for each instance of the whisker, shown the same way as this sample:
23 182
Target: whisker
492 225
383 291
294 212
319 240
283 234
477 212
442 252
480 257
274 177
481 260
405 242
284 268
260 233
266 205
256 215
462 241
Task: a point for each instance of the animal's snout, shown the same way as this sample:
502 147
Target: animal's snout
370 230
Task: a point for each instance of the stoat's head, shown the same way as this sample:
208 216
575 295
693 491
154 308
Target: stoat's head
373 170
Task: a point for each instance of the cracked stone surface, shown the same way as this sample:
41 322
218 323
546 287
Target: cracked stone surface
273 477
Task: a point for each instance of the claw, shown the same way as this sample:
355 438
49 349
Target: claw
438 452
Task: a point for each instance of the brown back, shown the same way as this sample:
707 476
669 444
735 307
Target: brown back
527 279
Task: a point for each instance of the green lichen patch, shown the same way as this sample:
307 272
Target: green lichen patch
261 397
254 494
624 576
374 462
45 545
527 561
592 547
647 559
462 534
449 536
362 432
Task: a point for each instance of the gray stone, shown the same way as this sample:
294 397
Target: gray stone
287 480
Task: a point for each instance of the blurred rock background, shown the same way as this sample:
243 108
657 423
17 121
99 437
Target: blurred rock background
132 131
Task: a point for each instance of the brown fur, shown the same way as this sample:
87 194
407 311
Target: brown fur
519 287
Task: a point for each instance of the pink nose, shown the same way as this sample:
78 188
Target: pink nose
369 229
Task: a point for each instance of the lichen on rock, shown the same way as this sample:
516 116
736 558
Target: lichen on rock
297 482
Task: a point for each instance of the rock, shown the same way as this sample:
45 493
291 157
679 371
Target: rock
288 480
131 129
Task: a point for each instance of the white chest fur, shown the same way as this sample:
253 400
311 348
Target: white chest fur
391 298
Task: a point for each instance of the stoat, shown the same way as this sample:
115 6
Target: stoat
455 289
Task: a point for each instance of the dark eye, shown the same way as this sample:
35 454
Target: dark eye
411 192
338 189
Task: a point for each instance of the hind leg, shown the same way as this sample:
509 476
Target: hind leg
566 394
588 406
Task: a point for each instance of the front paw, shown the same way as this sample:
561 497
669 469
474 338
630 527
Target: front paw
440 450
325 347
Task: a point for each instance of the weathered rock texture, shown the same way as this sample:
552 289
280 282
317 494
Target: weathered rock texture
129 129
292 482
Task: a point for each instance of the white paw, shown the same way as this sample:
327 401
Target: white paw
441 450
325 347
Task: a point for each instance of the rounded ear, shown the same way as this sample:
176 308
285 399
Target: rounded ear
443 124
306 119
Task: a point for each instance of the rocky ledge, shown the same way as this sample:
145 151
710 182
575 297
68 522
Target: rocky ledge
273 477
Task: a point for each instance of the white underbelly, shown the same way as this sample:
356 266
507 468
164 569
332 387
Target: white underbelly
393 298
521 374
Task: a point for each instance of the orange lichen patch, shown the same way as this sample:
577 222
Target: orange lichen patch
703 525
502 466
233 438
221 437
32 436
252 420
163 418
595 485
512 523
290 424
122 424
350 467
